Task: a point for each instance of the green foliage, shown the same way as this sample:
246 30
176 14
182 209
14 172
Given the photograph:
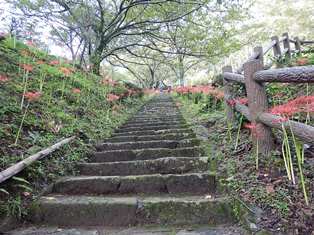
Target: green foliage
61 111
267 188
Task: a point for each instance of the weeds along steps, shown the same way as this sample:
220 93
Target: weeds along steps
151 171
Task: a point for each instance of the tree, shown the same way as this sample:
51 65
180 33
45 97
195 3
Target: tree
147 66
71 40
112 25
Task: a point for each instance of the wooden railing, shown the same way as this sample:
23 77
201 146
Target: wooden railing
254 74
18 167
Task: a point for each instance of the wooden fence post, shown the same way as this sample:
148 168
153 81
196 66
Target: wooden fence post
262 136
286 45
259 50
228 95
297 45
276 47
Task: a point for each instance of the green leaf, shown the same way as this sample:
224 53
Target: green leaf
26 188
4 191
20 180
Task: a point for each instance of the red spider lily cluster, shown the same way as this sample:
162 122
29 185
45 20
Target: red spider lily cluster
66 71
112 97
303 104
150 91
3 78
253 128
27 67
108 81
30 43
130 92
32 96
3 34
233 102
40 62
76 90
54 62
302 61
207 90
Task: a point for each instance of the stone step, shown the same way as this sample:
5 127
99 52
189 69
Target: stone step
190 183
178 136
167 165
155 108
145 154
152 120
148 128
222 229
153 132
172 144
159 111
156 123
157 115
61 210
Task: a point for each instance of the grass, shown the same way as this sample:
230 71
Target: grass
72 102
268 187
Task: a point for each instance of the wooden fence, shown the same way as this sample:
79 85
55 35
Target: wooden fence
255 76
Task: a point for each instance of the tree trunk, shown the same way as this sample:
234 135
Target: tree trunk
181 71
152 77
95 61
82 55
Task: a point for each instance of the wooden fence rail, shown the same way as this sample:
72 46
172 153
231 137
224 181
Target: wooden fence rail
18 167
255 75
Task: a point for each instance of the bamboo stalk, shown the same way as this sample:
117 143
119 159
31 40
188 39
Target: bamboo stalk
18 167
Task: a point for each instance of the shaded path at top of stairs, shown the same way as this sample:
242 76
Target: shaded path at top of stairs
152 171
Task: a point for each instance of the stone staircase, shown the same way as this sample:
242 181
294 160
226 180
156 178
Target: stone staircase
151 171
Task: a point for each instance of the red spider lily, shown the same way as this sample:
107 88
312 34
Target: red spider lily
30 43
219 95
76 91
108 81
304 103
284 110
27 67
300 104
207 90
3 78
54 62
40 62
3 35
182 90
309 108
32 96
130 92
150 91
253 128
112 97
302 61
243 101
231 102
250 126
66 71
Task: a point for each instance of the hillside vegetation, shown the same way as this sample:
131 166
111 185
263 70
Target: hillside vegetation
283 207
43 99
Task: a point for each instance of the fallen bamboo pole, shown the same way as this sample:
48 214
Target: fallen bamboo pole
18 167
